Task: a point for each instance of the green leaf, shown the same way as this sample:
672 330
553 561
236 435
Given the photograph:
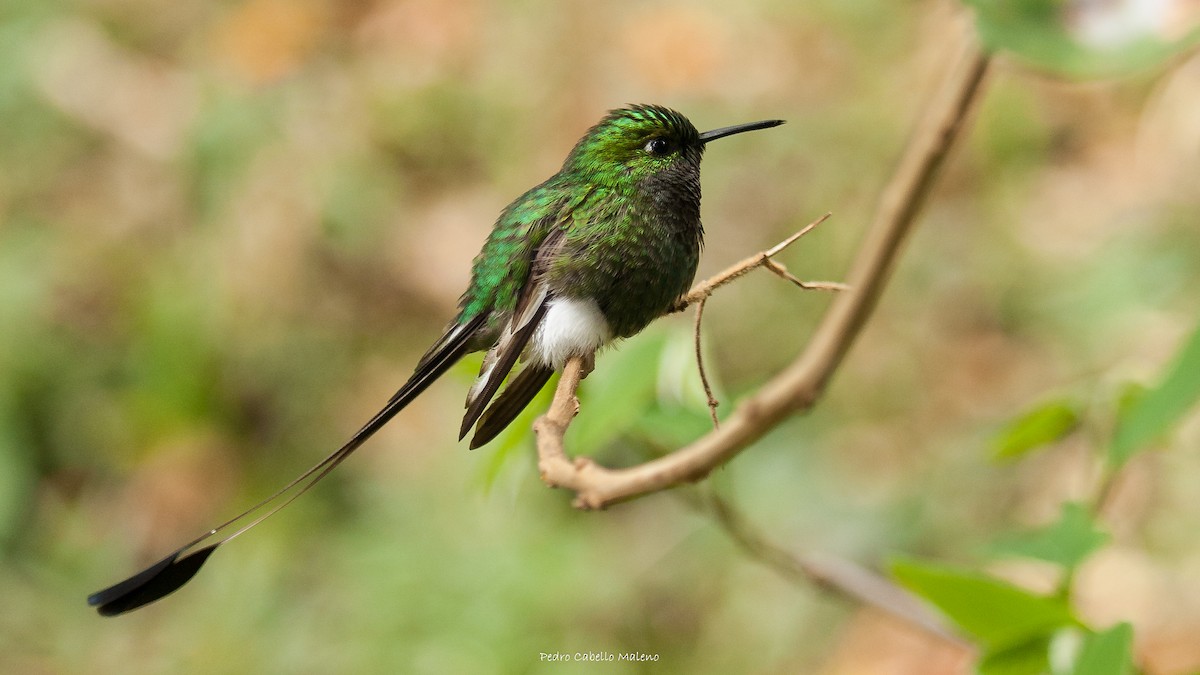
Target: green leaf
994 612
1036 31
1028 658
1107 653
1158 410
1045 424
1067 542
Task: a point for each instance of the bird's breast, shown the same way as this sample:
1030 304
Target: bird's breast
629 255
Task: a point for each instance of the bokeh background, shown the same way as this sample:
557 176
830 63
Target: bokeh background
229 229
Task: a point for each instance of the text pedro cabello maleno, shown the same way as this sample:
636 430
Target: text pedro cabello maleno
596 656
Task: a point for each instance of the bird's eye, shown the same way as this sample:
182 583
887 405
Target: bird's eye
658 146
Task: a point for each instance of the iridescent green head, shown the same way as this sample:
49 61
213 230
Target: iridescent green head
637 143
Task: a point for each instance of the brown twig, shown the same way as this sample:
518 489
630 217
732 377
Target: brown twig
739 269
799 386
556 469
708 391
701 292
783 273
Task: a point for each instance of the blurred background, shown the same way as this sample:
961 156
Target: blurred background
229 229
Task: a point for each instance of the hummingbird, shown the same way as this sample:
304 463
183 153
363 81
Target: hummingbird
590 256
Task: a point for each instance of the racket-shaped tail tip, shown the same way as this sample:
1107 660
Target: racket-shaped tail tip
157 581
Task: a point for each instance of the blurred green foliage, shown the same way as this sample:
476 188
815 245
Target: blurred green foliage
1044 424
1107 653
1019 630
228 230
1159 409
997 614
1067 542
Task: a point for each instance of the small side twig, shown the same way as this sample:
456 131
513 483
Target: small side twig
708 391
779 269
761 259
701 292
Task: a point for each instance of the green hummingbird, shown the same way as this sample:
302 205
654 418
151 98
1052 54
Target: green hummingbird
592 255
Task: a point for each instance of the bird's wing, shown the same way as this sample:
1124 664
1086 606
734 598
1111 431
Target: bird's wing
168 574
531 307
519 392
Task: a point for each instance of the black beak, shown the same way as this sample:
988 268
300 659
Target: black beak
737 129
